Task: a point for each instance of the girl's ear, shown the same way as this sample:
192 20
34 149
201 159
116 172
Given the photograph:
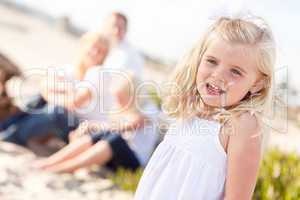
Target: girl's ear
259 85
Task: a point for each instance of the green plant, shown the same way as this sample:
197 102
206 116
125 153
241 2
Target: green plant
127 179
154 96
279 177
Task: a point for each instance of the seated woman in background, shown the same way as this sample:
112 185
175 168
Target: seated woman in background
43 117
94 48
60 102
126 140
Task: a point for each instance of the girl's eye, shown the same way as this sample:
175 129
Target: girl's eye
211 61
236 72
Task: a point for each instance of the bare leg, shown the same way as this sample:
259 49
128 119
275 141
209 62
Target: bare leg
100 153
68 152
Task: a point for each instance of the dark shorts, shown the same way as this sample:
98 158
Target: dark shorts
122 156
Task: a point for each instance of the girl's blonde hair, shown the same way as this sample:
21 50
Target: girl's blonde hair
182 98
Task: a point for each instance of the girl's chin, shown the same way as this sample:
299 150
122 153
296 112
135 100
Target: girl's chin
212 101
216 103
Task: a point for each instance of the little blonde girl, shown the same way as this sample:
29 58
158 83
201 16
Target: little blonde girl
222 90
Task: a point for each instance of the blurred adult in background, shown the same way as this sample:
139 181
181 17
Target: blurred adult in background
60 103
122 55
8 70
126 140
16 125
94 48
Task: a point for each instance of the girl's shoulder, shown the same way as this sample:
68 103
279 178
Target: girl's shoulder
242 132
247 122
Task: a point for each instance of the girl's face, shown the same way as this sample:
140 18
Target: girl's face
95 54
226 73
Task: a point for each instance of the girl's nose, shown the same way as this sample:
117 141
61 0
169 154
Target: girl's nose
219 74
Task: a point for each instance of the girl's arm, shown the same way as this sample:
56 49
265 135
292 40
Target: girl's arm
244 154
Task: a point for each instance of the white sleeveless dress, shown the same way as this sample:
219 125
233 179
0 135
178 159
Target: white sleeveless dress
189 164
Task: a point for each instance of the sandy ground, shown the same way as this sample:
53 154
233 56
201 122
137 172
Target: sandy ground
18 181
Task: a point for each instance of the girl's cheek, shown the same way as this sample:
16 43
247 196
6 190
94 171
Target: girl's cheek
202 72
237 91
231 84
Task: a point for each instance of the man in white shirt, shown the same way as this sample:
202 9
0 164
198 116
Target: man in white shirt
122 55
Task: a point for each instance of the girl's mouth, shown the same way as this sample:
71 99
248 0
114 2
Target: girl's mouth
213 90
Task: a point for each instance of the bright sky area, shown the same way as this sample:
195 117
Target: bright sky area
168 28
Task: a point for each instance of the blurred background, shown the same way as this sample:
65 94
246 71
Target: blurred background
40 34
